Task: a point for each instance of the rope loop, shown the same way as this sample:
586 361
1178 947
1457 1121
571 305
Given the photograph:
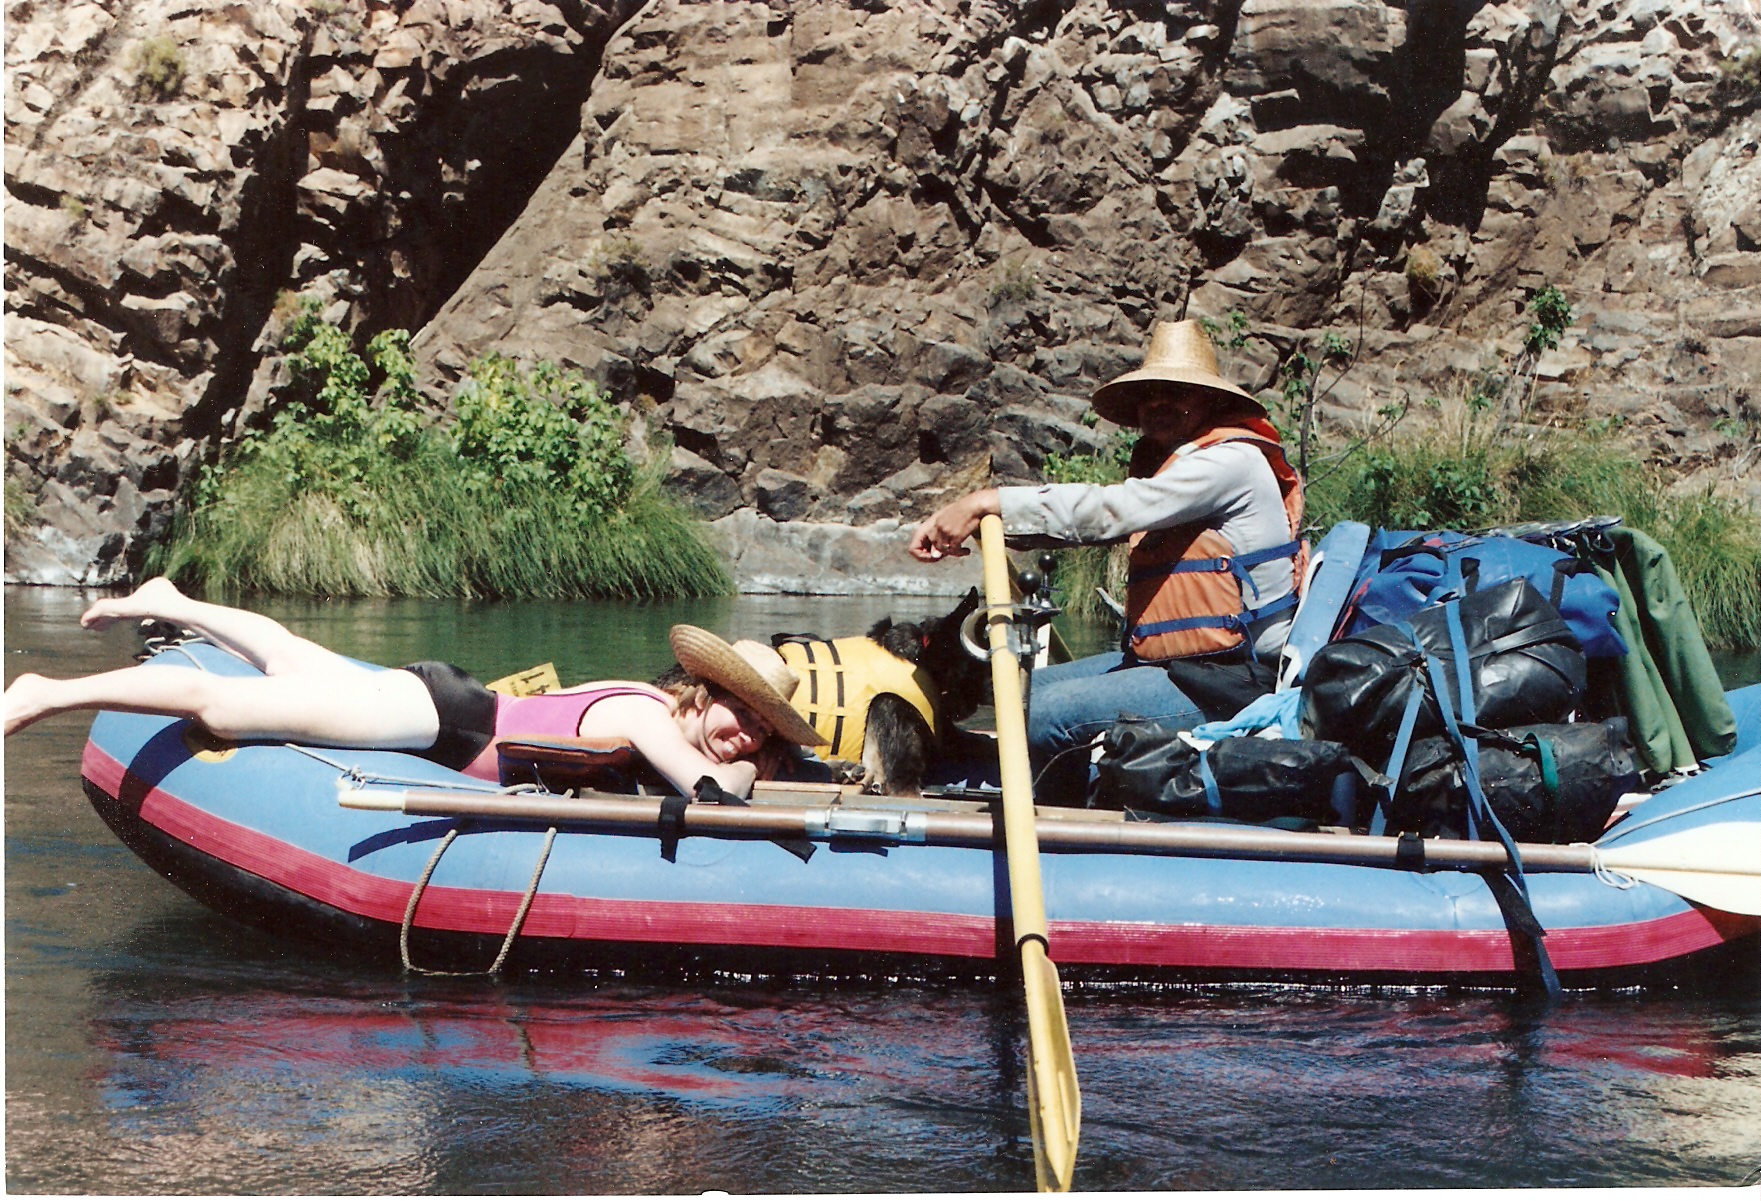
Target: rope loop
507 944
1604 873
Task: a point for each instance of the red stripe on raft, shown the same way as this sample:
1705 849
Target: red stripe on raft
1272 948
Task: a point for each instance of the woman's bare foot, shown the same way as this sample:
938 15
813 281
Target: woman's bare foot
151 599
27 701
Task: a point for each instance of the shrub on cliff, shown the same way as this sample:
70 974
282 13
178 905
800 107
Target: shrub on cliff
351 492
158 67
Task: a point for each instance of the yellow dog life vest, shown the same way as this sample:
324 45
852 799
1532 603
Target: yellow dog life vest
840 679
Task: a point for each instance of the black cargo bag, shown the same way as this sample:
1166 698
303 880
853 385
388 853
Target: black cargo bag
1145 765
1526 667
1548 783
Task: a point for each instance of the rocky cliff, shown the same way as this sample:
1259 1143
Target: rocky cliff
853 257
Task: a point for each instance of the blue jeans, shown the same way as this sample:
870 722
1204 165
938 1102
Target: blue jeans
1072 702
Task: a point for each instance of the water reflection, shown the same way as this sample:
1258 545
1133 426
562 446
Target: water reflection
534 1085
256 1074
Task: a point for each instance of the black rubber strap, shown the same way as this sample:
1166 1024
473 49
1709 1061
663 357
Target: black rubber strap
1409 853
711 793
672 825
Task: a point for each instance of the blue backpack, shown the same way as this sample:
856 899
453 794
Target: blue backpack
1404 571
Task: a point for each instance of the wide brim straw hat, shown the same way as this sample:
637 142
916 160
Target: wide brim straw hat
1180 352
753 672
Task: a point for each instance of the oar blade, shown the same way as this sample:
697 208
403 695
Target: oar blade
1054 1101
1732 892
1717 865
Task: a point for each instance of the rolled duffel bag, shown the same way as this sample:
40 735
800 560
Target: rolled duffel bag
1403 572
1147 765
1550 783
1526 667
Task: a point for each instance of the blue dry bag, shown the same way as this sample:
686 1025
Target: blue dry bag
1404 571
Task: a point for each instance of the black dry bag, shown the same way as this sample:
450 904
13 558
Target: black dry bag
1146 765
1525 667
1552 783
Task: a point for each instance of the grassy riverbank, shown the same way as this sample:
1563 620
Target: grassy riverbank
1456 476
528 490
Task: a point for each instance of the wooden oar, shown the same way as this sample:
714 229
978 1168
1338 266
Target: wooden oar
1717 865
1053 1101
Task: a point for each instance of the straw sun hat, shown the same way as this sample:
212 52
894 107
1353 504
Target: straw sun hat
1180 352
752 672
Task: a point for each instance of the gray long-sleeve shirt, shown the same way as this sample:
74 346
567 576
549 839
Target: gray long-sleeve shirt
1230 486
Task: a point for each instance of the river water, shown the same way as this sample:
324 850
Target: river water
154 1047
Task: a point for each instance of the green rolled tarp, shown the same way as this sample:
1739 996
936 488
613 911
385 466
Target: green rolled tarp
1669 688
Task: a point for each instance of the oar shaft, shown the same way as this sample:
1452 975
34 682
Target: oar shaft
1015 769
1071 835
1054 1100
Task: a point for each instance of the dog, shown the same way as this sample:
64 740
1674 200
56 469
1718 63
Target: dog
889 700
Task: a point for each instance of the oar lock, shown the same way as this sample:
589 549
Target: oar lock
1026 618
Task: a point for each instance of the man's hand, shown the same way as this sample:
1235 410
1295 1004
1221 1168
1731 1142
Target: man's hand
943 532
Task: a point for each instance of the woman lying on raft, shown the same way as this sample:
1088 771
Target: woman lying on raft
722 712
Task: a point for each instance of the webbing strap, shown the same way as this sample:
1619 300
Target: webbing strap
1396 771
1236 565
1549 765
1239 621
1551 630
1213 798
1544 758
708 792
1513 897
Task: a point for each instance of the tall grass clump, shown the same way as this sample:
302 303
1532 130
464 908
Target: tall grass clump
1084 571
352 491
1479 474
20 507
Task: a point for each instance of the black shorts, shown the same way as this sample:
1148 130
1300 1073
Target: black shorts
466 709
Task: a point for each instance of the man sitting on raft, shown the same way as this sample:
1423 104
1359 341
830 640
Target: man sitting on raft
721 713
1212 513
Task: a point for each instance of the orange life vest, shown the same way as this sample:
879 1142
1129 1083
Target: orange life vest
1188 591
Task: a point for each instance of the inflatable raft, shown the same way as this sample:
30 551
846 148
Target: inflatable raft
868 885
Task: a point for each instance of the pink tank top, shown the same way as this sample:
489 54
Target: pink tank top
547 715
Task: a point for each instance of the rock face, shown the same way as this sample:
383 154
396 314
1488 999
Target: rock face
174 172
855 258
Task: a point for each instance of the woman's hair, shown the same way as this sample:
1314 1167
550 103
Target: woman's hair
691 692
682 686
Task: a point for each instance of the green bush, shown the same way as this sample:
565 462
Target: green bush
158 67
543 427
1424 270
1416 487
1552 313
1740 78
350 492
1015 283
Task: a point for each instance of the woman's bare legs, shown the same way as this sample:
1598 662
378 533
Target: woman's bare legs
307 694
384 710
261 641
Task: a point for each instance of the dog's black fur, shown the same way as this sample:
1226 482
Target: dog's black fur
897 746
